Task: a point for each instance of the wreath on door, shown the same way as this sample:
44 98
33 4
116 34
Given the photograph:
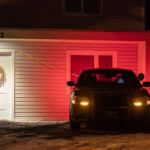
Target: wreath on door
2 76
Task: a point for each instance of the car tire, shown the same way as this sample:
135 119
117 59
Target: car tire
148 121
74 125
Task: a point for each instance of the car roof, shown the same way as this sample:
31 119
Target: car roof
107 70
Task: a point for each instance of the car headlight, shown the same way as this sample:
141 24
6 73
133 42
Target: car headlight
83 101
75 99
138 104
141 101
148 102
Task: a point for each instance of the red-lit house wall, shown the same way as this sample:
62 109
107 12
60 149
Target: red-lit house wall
116 36
129 36
41 92
109 36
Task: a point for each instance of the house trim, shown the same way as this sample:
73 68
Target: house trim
142 57
71 41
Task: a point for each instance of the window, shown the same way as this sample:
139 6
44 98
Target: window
78 60
83 7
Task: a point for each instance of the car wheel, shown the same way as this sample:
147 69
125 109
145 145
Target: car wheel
148 121
74 125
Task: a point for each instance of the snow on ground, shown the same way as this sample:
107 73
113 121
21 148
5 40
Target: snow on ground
58 136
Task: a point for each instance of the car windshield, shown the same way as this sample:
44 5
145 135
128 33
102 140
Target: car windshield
109 78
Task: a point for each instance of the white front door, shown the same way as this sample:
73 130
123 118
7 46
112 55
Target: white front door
5 87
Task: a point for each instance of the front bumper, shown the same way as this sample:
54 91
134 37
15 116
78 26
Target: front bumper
123 115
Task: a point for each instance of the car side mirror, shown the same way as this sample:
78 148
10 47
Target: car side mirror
146 84
141 76
70 83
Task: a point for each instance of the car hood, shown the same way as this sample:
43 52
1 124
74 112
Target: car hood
129 91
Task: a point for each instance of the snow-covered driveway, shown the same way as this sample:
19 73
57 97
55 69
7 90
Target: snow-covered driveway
58 136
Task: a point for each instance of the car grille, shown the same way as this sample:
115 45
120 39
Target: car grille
105 105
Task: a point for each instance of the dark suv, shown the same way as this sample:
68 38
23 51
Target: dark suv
104 96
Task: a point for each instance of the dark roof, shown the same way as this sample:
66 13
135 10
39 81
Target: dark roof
111 70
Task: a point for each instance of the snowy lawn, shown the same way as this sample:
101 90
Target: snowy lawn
58 136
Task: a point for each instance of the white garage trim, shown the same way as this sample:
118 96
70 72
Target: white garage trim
10 52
